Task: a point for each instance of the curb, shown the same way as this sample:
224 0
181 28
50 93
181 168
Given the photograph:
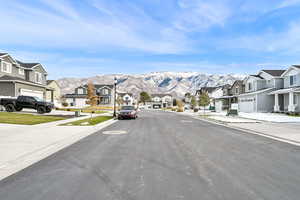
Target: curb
293 142
11 167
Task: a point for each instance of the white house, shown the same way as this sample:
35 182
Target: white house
287 99
127 98
256 97
161 100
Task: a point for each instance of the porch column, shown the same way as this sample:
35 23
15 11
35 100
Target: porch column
291 107
276 105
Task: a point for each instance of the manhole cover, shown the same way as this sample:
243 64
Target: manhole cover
114 132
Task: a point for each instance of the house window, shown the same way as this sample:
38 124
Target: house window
236 90
292 80
80 91
6 67
21 71
249 86
105 91
38 77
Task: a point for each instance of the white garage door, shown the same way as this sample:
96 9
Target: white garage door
247 104
32 93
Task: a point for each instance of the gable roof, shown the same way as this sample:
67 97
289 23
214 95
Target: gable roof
3 54
27 65
237 82
99 86
297 67
160 95
274 72
208 89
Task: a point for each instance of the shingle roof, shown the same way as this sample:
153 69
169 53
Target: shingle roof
8 78
27 65
160 95
274 72
208 89
2 54
257 76
297 66
100 86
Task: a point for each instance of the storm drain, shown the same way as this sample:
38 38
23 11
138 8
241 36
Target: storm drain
114 132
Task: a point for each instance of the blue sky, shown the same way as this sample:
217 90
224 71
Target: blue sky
79 38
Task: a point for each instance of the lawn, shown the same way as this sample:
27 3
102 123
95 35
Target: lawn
88 122
86 110
26 119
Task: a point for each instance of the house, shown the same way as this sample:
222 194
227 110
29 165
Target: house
127 98
256 96
287 98
105 96
54 93
161 100
213 93
19 78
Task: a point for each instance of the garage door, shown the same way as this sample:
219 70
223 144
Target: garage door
32 93
247 104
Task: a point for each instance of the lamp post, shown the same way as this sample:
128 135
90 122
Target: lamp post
115 98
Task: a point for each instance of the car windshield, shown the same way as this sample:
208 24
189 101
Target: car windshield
127 108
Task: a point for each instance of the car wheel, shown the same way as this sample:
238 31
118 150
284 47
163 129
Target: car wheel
41 110
10 108
48 110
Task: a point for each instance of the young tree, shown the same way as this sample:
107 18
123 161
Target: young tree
92 98
120 100
193 102
180 105
144 97
204 100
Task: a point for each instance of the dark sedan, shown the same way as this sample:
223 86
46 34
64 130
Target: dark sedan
127 112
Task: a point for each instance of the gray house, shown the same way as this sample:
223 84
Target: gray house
104 93
257 88
19 78
287 99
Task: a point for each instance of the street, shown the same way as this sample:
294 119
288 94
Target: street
163 156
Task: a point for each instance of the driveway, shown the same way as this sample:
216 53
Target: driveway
163 156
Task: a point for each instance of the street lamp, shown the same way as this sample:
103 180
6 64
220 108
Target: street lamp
115 99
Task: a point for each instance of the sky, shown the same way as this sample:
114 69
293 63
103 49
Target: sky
81 38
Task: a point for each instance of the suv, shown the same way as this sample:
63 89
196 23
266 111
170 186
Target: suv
12 105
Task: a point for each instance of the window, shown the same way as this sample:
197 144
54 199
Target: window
105 91
292 80
80 91
38 77
236 90
249 86
6 67
21 71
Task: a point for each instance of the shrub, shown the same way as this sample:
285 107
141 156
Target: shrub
180 109
174 109
196 109
65 104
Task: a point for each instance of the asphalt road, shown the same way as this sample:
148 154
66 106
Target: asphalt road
163 156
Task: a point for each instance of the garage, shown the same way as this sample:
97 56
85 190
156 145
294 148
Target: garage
247 103
32 93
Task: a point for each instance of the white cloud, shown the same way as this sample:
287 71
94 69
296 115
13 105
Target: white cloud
288 3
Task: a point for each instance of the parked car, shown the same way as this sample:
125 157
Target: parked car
12 104
127 112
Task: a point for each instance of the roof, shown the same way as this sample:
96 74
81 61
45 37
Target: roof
297 66
207 89
160 95
27 65
75 96
49 81
13 78
257 76
3 54
256 92
285 91
98 86
274 72
124 93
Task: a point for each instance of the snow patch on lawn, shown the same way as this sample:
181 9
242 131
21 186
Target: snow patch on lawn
270 117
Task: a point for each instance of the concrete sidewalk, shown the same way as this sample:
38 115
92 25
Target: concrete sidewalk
23 145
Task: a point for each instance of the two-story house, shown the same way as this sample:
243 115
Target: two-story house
19 78
127 98
287 99
161 100
105 96
256 96
229 96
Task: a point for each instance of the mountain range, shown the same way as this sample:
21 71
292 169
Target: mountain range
175 83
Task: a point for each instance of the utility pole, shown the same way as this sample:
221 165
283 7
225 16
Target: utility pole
115 99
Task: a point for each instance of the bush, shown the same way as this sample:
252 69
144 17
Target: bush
180 109
174 109
196 109
65 104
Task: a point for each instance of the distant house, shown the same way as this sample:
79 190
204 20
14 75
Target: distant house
213 93
54 93
256 96
127 98
20 78
104 93
287 96
161 100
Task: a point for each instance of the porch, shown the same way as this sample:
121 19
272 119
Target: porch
287 100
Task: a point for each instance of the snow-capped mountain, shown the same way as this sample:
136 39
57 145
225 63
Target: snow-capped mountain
175 83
